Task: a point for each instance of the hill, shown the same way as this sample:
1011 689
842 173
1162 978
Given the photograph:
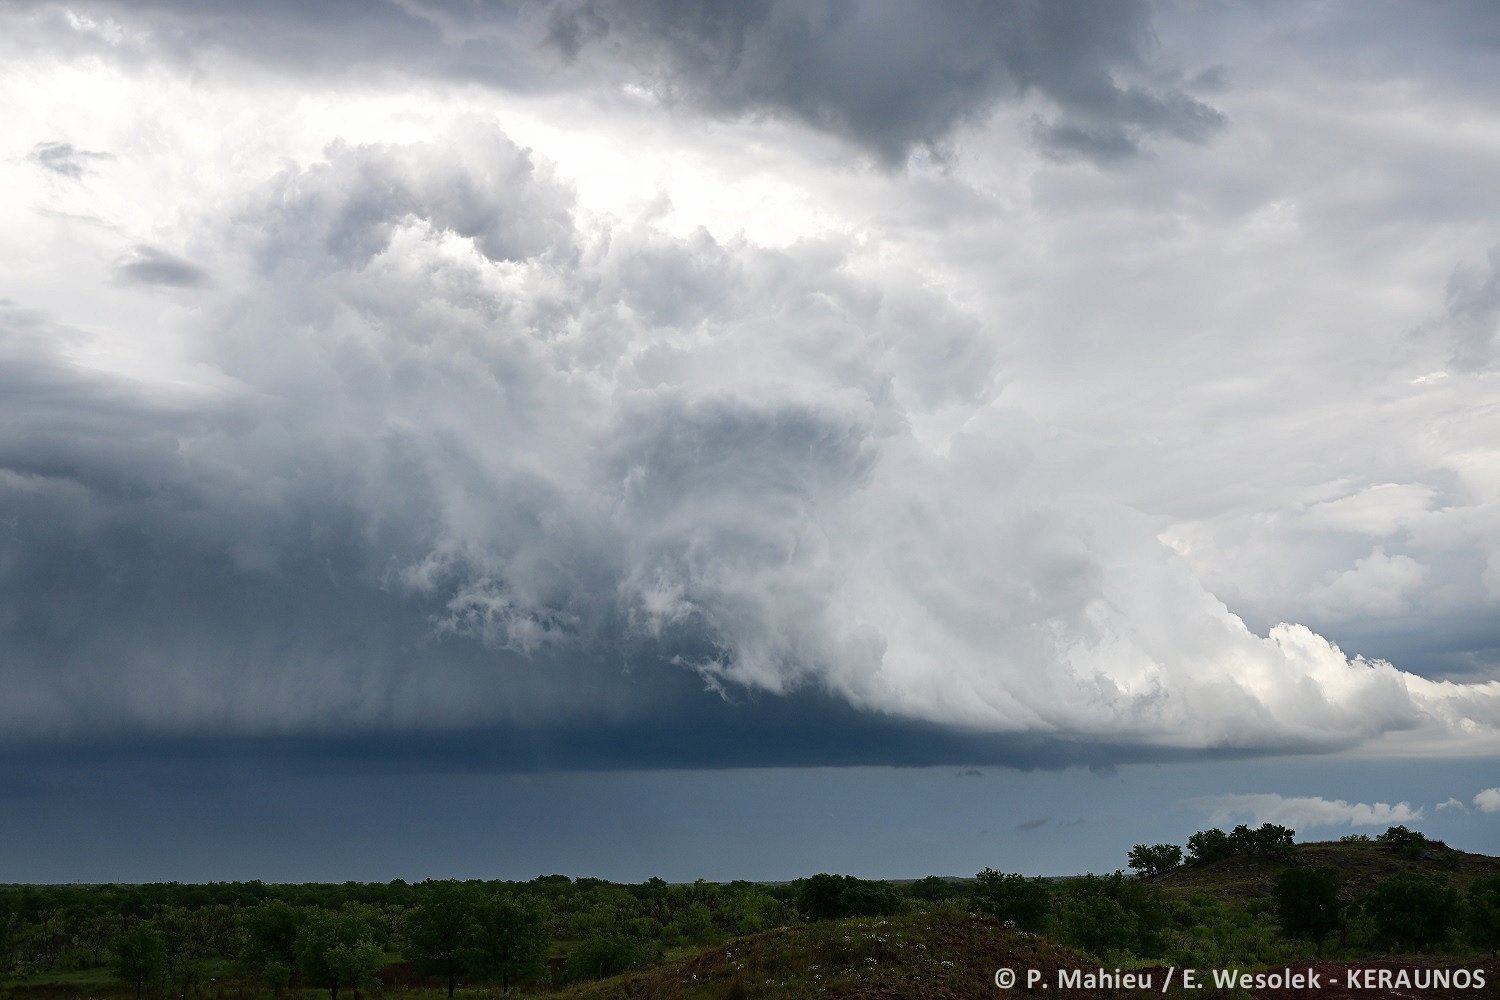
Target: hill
936 954
1361 866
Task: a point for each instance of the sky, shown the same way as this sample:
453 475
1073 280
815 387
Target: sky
726 439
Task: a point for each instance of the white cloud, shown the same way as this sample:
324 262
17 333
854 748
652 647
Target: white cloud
1307 811
1379 585
1488 801
1451 803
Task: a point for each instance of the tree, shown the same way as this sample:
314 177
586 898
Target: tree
1208 845
831 897
1410 908
512 940
1155 859
270 939
1027 901
329 953
139 956
1407 843
441 932
355 963
95 935
1307 903
1266 840
1483 924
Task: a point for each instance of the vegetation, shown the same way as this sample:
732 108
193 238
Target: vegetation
1307 902
1154 859
1246 898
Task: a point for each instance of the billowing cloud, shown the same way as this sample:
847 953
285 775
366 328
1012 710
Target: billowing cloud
471 461
1451 803
1488 801
1307 811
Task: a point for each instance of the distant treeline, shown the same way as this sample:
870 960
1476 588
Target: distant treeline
252 938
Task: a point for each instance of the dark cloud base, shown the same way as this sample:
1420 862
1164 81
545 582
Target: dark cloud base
705 732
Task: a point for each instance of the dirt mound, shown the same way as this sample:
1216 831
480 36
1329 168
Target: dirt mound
941 955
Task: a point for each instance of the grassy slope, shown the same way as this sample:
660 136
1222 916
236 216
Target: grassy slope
1360 866
901 956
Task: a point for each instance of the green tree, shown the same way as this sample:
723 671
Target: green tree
441 933
1027 901
1413 909
831 897
1483 923
1208 845
139 956
512 940
1307 903
355 963
269 938
1154 859
328 949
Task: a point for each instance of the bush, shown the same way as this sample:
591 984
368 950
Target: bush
601 957
1027 901
1113 914
1412 909
1483 924
1307 903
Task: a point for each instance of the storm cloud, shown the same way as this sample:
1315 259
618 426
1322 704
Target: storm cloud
608 385
892 78
473 465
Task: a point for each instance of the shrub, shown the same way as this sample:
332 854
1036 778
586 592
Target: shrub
601 957
1483 924
1307 903
1027 901
1413 909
